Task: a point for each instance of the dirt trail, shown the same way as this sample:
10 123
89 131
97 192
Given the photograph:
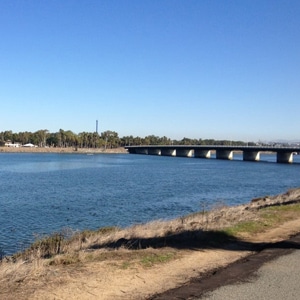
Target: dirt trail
107 281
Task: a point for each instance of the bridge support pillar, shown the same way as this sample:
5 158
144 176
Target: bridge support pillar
285 157
141 151
154 151
131 150
202 153
251 155
168 152
224 154
184 152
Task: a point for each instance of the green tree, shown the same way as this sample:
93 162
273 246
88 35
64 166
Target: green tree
53 140
24 137
111 139
40 137
8 135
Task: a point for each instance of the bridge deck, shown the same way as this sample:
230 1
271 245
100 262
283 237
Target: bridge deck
250 153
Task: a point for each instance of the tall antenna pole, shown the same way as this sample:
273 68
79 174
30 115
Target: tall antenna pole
96 126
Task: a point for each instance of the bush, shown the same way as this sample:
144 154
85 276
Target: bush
48 246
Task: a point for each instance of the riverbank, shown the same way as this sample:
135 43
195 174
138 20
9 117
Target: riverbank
60 150
143 260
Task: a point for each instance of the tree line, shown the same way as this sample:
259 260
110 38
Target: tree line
106 139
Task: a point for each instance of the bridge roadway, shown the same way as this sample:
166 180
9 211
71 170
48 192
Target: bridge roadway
250 153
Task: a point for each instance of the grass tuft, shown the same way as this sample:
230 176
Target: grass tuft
65 259
156 258
47 247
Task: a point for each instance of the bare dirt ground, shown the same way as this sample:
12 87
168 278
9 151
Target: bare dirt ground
60 150
110 269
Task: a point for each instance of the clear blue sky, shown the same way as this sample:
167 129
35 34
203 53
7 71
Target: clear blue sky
190 68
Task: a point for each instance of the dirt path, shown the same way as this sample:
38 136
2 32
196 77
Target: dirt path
236 272
100 281
110 279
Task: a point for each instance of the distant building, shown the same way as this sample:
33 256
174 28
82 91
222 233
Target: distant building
10 144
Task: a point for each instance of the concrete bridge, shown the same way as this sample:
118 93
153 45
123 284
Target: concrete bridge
250 153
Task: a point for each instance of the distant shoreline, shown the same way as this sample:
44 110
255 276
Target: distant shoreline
60 150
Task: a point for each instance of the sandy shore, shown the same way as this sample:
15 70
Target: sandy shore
60 150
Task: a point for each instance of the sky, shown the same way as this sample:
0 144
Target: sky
220 69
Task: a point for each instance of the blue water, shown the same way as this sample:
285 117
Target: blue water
45 193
